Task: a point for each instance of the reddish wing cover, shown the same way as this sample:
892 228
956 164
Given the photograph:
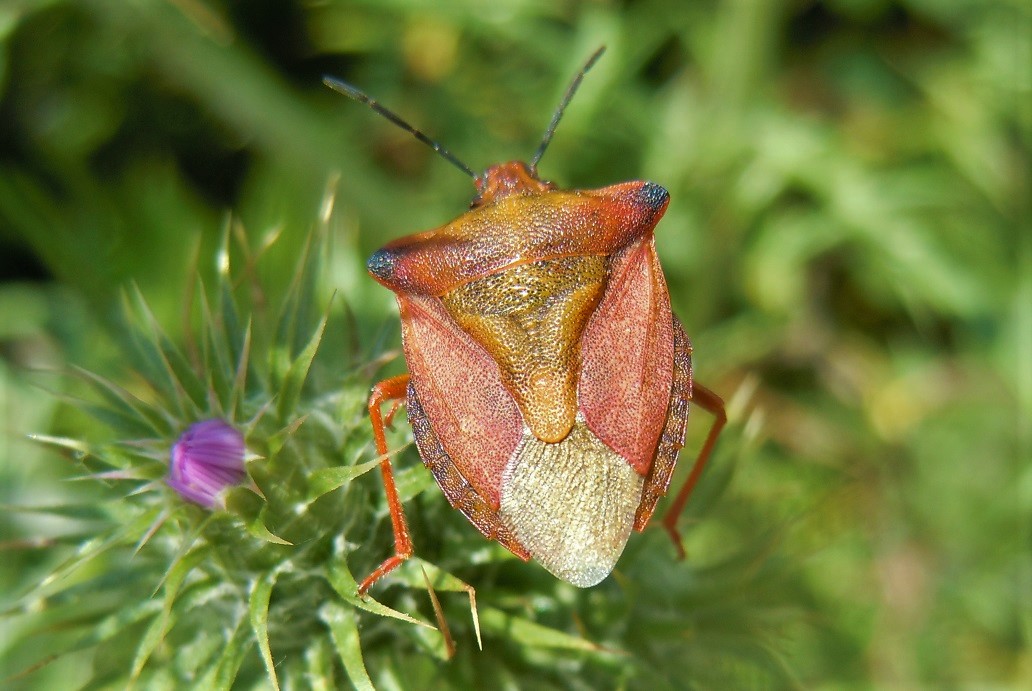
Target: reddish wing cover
627 352
461 391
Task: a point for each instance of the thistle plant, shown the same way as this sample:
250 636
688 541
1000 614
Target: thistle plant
231 517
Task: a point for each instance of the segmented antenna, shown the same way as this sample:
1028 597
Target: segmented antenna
352 92
570 91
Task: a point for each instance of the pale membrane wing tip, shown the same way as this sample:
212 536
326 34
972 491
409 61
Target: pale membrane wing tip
571 504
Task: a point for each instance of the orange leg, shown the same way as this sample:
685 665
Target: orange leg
393 389
711 402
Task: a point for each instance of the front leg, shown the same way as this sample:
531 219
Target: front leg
392 389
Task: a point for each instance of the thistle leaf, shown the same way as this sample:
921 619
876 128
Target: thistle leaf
239 389
295 312
92 549
80 512
223 672
144 355
154 634
319 669
258 606
345 585
294 379
413 481
106 629
166 619
149 420
189 390
260 530
326 480
77 445
343 625
230 319
525 632
216 358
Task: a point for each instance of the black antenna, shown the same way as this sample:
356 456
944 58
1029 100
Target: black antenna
352 92
570 91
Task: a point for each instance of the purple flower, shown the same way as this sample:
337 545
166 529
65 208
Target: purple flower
208 458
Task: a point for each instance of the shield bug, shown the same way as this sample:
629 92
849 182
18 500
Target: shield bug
549 382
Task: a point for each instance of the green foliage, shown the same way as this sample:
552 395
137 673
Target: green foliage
848 245
265 584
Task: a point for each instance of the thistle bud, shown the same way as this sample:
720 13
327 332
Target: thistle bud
208 458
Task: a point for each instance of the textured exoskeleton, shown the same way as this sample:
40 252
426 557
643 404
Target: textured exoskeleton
549 381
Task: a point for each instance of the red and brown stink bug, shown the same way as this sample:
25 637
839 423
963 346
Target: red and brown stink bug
549 381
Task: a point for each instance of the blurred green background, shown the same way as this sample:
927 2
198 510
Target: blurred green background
848 245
